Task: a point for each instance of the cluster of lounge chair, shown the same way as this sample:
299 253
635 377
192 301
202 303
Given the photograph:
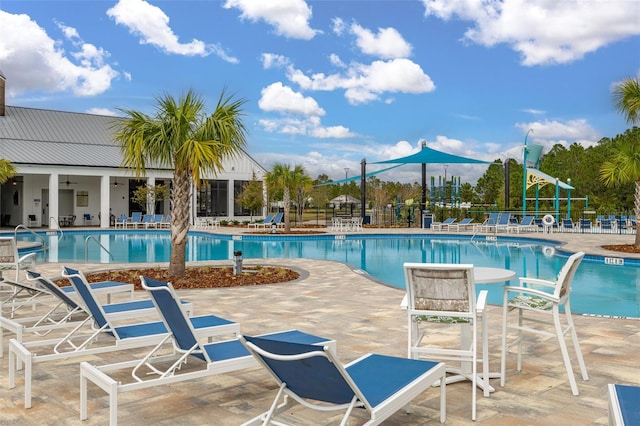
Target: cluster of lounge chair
76 324
146 221
268 222
507 222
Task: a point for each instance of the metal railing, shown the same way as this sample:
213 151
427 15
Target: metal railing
86 248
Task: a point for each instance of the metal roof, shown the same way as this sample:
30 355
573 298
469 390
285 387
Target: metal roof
48 137
37 136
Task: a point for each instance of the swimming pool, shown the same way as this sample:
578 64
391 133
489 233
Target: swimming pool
599 288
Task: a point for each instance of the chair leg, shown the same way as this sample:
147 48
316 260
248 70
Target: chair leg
565 352
503 354
576 344
485 355
519 349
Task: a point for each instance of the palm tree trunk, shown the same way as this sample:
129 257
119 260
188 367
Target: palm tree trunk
637 210
180 204
287 214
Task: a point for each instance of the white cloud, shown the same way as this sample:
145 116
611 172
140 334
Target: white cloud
272 60
542 31
151 24
387 44
365 83
290 18
338 26
534 111
279 98
550 132
33 61
102 111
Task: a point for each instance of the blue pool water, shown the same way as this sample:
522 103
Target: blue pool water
599 288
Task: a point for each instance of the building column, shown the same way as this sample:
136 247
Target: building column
105 201
231 199
54 198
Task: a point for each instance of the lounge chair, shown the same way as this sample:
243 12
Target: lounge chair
439 226
567 225
526 225
134 220
263 224
623 405
215 358
80 342
147 220
313 377
121 221
503 222
60 307
543 297
585 225
463 225
278 220
606 225
489 224
11 260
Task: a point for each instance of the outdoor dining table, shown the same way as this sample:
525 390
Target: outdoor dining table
481 275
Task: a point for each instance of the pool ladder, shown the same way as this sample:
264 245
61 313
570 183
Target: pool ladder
86 248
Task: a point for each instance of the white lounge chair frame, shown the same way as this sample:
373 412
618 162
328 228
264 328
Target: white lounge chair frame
186 347
10 259
121 337
432 373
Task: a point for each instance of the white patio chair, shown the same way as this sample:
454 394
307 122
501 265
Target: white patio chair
543 297
439 296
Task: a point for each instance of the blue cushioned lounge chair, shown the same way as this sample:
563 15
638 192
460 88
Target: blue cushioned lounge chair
263 224
101 337
313 377
214 358
623 405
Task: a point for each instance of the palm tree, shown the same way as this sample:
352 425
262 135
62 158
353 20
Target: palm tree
7 170
287 180
624 164
302 183
181 136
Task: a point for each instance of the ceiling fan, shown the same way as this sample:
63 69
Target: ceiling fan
68 182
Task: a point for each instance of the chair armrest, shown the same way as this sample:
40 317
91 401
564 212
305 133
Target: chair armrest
530 291
537 281
481 302
29 257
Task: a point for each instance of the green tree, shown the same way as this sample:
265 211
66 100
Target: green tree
180 135
149 195
7 170
626 99
624 167
303 185
251 196
283 178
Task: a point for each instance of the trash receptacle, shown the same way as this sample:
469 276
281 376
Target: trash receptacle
427 220
367 219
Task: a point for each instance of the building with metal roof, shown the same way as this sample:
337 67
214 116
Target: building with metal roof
70 167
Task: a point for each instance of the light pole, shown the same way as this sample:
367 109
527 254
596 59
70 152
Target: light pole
346 177
524 174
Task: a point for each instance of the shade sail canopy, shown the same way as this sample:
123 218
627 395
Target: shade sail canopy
543 177
357 178
428 155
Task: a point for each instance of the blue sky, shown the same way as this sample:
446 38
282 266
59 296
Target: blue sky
328 83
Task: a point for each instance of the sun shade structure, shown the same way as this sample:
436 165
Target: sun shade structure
431 156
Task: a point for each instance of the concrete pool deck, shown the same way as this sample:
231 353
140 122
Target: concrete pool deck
363 316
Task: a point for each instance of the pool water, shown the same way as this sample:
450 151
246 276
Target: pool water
599 288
